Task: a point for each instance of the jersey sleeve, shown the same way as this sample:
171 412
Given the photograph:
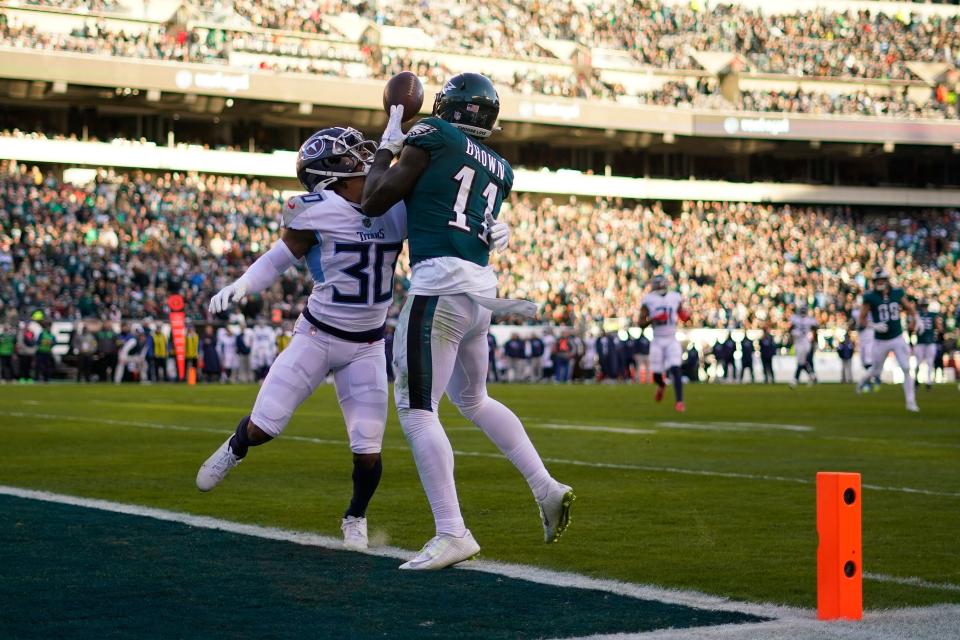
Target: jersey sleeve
300 211
427 134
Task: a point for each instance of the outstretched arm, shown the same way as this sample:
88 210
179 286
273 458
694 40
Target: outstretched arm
386 185
267 269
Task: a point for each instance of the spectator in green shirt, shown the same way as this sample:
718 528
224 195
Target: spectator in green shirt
8 340
45 344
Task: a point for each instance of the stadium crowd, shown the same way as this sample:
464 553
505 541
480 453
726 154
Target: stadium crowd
285 54
817 42
739 264
117 247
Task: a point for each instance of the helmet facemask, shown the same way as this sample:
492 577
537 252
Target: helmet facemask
338 152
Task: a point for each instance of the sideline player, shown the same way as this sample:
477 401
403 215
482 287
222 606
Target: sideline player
929 325
662 309
351 258
803 328
881 309
453 186
867 339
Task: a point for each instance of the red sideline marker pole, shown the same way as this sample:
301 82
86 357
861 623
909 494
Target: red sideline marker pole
839 554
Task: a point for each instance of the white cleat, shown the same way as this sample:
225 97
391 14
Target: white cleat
913 408
354 533
443 551
217 466
555 511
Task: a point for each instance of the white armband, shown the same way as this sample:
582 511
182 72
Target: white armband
268 267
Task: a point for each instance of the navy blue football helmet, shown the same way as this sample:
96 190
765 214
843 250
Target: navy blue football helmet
331 154
659 284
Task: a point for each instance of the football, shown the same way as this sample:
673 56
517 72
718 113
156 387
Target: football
404 88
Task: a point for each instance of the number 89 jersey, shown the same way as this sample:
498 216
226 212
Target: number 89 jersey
885 307
447 208
667 304
353 262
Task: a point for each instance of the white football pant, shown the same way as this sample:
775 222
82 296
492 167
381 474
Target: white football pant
359 376
901 351
926 354
664 354
441 346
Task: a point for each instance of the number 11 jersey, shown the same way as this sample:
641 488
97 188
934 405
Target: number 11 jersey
447 208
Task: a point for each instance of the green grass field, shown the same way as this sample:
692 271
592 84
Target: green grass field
719 500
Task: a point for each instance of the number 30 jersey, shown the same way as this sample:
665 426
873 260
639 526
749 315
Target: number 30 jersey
353 262
464 181
660 304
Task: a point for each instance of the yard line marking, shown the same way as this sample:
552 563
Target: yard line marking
497 456
510 570
151 425
733 426
912 582
587 427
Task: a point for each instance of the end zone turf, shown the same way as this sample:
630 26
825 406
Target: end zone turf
93 569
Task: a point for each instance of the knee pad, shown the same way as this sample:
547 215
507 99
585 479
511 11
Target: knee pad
366 436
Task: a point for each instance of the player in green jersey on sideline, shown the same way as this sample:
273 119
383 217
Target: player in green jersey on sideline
453 186
929 327
881 311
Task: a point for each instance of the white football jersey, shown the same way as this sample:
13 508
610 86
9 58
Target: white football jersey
801 326
264 339
657 304
353 262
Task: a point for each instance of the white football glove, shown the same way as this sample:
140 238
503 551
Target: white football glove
393 135
229 294
498 233
879 326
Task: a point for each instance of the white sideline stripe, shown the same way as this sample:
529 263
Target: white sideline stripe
912 582
913 623
497 456
587 427
733 426
518 571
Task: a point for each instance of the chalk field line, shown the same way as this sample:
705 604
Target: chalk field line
788 623
483 454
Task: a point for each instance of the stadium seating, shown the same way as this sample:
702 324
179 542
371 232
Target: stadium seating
864 63
118 246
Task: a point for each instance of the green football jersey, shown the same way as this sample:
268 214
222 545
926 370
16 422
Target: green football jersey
885 307
464 181
927 331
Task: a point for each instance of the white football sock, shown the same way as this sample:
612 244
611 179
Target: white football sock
504 429
434 458
909 388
